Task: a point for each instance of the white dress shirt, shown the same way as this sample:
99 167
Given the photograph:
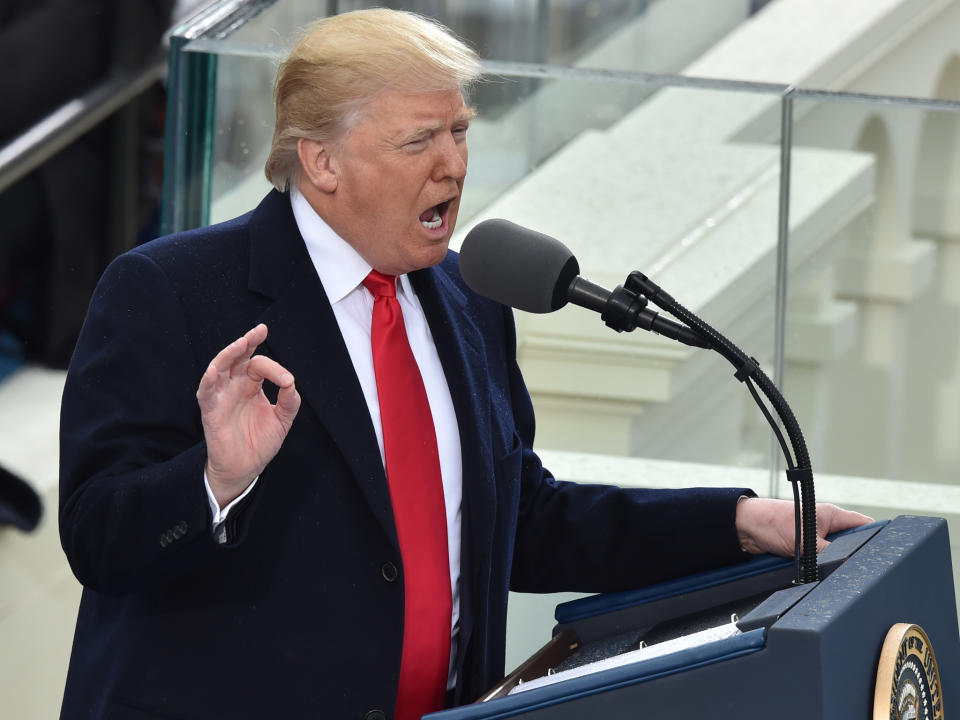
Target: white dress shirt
342 270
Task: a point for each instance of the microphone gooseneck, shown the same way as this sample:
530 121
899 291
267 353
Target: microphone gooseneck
799 473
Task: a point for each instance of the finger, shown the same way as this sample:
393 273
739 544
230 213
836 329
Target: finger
239 351
288 404
255 336
208 385
262 368
226 359
837 519
246 346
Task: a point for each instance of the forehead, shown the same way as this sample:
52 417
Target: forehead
399 111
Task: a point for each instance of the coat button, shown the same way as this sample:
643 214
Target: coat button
389 572
375 714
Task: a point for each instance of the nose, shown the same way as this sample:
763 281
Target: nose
451 161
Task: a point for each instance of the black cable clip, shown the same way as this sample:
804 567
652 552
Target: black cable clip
639 283
750 368
799 474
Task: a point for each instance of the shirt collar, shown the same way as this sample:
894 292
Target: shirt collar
340 267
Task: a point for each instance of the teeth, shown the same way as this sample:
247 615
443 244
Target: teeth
435 222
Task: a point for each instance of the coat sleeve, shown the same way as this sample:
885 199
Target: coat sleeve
603 538
133 509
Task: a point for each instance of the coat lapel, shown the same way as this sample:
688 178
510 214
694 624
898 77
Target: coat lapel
460 347
305 338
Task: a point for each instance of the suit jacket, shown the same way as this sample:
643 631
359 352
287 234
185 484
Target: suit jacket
300 613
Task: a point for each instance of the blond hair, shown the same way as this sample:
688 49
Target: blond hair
342 62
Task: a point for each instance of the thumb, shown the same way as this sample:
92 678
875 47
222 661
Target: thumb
288 404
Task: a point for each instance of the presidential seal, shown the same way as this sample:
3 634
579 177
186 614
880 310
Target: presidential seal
908 680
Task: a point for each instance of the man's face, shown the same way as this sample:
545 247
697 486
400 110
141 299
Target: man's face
400 173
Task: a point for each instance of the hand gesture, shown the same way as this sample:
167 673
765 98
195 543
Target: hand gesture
243 431
766 526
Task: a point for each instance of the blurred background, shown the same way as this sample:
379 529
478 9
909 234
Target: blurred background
788 170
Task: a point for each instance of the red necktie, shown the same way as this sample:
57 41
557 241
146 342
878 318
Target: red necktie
416 492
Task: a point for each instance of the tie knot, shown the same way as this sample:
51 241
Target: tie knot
381 285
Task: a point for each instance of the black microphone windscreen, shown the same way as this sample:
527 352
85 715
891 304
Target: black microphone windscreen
517 267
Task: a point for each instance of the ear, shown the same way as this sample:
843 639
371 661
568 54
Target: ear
317 166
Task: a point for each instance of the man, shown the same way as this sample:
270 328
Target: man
262 548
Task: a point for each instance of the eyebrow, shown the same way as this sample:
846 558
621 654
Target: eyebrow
465 116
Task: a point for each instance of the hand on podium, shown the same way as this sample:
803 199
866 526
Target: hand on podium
766 525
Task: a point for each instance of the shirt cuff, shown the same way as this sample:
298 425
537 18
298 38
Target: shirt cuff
218 514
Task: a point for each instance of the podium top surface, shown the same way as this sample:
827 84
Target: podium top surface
823 637
575 610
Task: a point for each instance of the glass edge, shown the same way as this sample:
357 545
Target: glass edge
219 19
237 48
905 101
538 70
781 274
277 52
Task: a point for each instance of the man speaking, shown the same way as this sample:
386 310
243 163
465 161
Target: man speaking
297 466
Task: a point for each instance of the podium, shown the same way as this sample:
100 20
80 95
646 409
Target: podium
743 642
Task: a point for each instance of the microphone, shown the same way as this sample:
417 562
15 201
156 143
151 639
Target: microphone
518 267
534 272
530 271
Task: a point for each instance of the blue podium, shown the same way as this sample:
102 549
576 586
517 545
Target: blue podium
743 642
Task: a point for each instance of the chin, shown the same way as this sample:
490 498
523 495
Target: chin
432 255
437 257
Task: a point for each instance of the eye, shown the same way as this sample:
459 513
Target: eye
418 142
460 131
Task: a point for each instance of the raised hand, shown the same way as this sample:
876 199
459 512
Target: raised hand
242 430
766 526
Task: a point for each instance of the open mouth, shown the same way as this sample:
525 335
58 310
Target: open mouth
432 218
